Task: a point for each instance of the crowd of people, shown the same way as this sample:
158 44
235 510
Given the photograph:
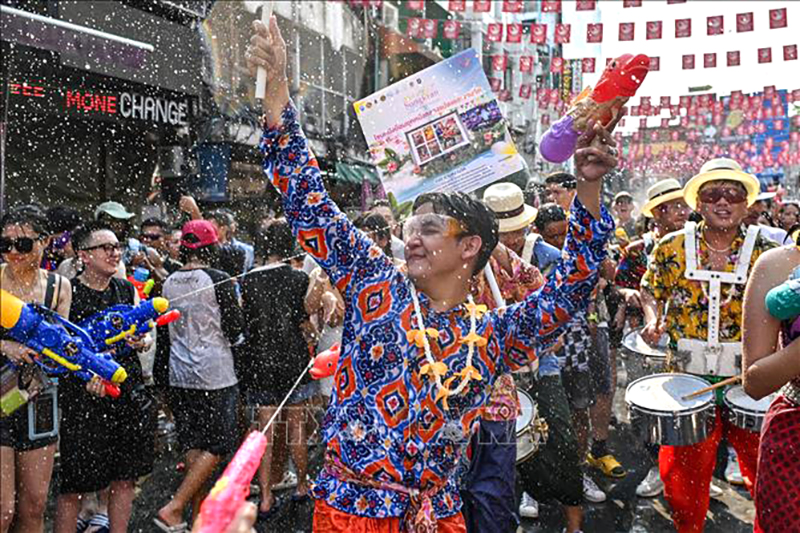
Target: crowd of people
446 320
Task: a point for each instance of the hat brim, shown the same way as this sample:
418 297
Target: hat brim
647 210
750 182
113 213
520 221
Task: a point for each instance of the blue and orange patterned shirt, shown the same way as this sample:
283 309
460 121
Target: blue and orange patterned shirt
383 423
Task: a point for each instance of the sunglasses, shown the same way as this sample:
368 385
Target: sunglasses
431 225
108 248
732 196
23 245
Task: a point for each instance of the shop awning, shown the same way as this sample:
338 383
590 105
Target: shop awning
356 174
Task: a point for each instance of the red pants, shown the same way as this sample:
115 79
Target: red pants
330 520
687 471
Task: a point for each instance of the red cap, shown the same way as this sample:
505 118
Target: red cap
198 233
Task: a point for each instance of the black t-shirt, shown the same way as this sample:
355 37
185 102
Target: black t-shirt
85 303
274 309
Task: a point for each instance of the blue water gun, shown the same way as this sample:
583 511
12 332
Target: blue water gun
61 346
783 302
115 324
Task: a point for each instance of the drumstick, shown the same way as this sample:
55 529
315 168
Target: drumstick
723 383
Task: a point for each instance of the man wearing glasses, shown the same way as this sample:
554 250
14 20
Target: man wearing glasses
701 272
154 235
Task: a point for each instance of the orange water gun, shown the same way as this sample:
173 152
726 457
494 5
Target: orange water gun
619 81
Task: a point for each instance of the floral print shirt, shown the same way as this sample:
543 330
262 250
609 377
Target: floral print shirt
383 423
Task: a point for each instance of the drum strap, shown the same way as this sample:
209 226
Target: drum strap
716 278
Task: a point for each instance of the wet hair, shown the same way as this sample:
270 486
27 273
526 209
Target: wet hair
61 218
476 218
547 214
150 222
83 234
377 228
26 215
788 203
565 179
275 239
205 254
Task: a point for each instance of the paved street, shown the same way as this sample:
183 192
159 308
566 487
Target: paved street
622 512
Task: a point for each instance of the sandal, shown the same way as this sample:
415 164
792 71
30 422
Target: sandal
608 465
273 510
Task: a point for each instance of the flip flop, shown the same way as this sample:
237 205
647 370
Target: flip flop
183 527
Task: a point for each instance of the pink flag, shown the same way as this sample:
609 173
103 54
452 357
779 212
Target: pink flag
734 59
777 18
430 28
414 27
526 63
626 31
499 63
481 6
494 32
451 29
594 33
585 5
495 84
631 3
655 64
557 65
562 33
587 64
665 101
683 28
654 29
744 22
415 5
709 60
514 33
551 6
688 61
790 52
457 5
716 25
525 91
538 33
765 55
512 6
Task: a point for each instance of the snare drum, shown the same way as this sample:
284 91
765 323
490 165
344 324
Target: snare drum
531 429
745 412
641 358
661 415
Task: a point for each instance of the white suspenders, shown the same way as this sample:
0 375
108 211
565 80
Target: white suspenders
527 250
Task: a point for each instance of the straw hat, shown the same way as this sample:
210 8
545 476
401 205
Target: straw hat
718 170
508 204
662 192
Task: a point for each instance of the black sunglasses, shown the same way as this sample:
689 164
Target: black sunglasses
108 248
23 245
732 196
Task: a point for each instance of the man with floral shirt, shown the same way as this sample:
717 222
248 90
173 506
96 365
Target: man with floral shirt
418 355
701 273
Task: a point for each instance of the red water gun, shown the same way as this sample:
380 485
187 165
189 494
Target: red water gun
325 363
232 488
142 281
619 81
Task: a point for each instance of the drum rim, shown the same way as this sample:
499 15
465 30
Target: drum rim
734 407
638 331
698 409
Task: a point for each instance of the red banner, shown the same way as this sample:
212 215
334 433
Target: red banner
545 120
499 63
526 63
557 65
669 2
635 111
744 22
655 64
415 5
642 123
538 33
683 28
551 6
414 27
665 101
585 5
644 102
594 33
631 3
451 29
494 32
512 6
481 6
688 61
525 91
790 52
777 18
626 31
715 25
430 27
514 33
587 65
457 5
654 29
796 96
495 84
765 55
734 58
563 32
665 123
710 60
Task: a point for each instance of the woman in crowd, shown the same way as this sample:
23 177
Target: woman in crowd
772 363
26 465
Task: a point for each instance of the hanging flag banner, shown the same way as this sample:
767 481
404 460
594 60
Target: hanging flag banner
765 55
655 63
585 5
744 22
538 33
512 6
715 25
734 59
594 33
494 32
688 61
514 33
525 91
526 63
790 52
439 130
451 29
562 33
551 6
631 3
499 63
556 65
683 28
654 29
496 84
777 18
415 5
665 101
430 28
709 60
414 27
481 6
588 65
626 30
457 6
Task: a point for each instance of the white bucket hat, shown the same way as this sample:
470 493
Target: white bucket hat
508 204
662 192
721 169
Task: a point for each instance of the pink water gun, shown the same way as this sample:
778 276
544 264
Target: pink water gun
325 363
232 488
619 81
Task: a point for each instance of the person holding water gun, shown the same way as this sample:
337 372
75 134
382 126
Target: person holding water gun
26 465
105 443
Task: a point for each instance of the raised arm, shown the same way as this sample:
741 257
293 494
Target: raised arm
322 229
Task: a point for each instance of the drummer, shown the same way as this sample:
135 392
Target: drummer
701 273
669 212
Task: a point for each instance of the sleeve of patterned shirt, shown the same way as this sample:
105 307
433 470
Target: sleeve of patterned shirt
660 276
324 232
540 318
631 267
